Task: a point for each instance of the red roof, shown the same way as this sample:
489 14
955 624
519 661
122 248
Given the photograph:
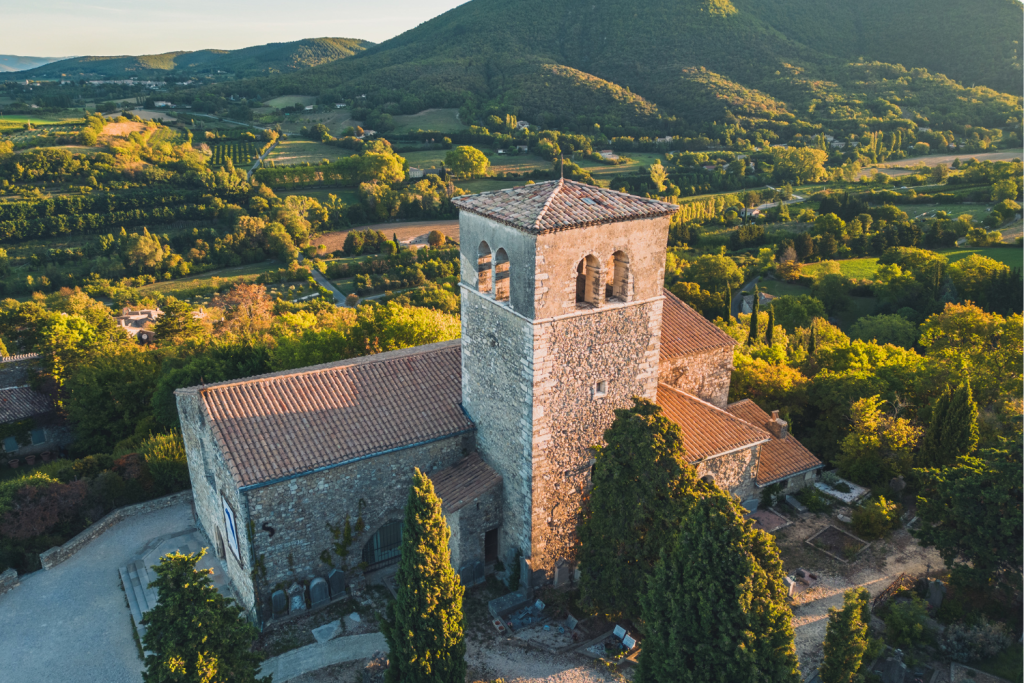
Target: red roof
560 205
780 458
707 430
461 483
685 331
19 403
283 424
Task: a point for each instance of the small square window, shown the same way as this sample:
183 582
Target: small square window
38 436
10 444
601 389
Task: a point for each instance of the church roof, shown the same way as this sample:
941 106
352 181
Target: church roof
560 205
275 426
707 430
466 480
780 458
685 331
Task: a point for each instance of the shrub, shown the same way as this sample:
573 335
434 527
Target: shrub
813 499
904 622
876 518
38 504
166 461
969 643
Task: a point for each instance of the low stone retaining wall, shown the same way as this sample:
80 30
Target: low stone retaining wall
8 580
54 556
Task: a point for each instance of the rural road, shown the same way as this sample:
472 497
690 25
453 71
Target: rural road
737 298
256 164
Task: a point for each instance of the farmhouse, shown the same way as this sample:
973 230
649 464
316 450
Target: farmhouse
564 320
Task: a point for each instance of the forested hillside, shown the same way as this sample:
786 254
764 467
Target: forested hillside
560 63
250 61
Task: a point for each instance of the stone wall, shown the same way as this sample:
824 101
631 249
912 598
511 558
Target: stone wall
705 375
497 394
54 556
615 346
470 524
298 510
734 472
212 482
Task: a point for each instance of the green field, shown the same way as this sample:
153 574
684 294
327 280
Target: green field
289 101
486 185
13 121
295 152
241 152
855 268
522 163
189 286
441 120
976 211
1011 256
321 194
779 288
430 158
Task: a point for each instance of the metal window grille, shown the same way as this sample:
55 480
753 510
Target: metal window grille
385 548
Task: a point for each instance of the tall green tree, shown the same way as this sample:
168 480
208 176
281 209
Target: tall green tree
769 334
716 609
424 627
953 431
846 638
178 325
972 512
754 335
642 485
194 633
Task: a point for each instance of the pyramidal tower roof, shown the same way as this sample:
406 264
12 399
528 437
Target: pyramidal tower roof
560 205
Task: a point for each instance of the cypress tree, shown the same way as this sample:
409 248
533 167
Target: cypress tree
716 608
398 245
194 633
812 344
424 626
753 336
960 434
931 444
642 483
846 638
769 334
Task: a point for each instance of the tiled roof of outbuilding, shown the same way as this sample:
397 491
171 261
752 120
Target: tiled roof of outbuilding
560 205
18 403
274 426
18 358
467 479
685 331
780 458
707 430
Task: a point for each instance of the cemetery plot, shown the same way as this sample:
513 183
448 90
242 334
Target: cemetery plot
837 543
241 152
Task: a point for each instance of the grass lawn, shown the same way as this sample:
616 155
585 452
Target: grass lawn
346 286
1011 256
1008 664
430 158
295 152
603 173
345 194
779 288
18 120
856 268
184 286
523 163
290 100
441 120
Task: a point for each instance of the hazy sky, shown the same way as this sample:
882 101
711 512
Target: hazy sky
57 28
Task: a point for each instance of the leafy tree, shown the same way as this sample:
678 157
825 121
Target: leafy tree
904 622
715 609
658 176
972 276
466 161
642 485
714 272
972 512
885 329
879 446
424 624
797 311
143 252
1004 189
799 164
846 638
831 287
178 326
194 633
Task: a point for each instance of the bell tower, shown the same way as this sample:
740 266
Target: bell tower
561 324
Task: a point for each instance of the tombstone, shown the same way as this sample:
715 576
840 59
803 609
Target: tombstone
936 592
796 504
576 575
619 632
296 598
844 519
479 572
629 641
319 594
790 586
539 606
571 622
896 484
336 582
279 599
561 573
466 575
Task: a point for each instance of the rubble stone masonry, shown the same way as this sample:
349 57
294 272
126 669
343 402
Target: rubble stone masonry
705 375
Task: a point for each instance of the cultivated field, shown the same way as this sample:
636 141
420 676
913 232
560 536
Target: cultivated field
295 152
429 159
241 152
441 120
864 268
153 115
976 211
289 101
409 232
948 159
13 122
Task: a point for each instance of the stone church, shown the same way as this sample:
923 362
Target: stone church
564 319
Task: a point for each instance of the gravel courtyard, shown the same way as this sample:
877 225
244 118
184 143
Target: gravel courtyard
72 623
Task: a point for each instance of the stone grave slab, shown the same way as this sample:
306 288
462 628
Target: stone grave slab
561 574
318 592
296 598
327 631
336 582
619 632
629 641
571 622
796 504
280 602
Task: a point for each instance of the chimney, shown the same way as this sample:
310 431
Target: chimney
777 426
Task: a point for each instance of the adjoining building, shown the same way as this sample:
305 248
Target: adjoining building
564 320
31 426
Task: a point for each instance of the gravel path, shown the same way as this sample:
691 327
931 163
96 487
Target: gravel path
72 623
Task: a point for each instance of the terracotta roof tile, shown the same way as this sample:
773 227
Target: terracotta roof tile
685 331
19 403
18 358
468 479
293 422
707 430
560 205
780 458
